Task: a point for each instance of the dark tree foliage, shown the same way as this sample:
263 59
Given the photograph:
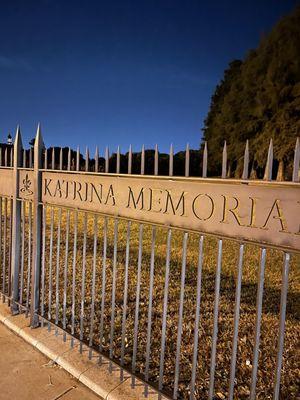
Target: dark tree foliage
259 99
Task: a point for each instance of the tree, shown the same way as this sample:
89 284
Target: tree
259 99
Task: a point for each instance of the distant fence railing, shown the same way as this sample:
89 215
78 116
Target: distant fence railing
178 280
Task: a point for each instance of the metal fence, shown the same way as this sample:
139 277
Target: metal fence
183 282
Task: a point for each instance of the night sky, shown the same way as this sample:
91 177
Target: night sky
121 72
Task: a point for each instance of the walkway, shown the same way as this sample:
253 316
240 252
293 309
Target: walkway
26 374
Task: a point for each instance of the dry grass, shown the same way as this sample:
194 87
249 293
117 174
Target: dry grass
270 317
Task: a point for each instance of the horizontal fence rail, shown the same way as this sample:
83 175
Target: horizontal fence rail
189 284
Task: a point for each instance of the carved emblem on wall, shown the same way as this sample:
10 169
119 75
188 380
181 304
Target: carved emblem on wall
25 189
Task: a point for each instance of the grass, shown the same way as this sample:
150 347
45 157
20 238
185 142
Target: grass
270 316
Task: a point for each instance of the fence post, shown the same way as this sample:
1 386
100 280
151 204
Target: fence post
16 225
37 228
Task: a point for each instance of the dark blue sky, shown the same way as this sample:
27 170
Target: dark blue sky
121 72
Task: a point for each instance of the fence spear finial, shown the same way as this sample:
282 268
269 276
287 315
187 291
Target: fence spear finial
171 159
187 160
296 165
224 161
106 159
39 138
204 161
156 160
38 146
130 159
118 160
69 159
87 159
269 165
77 159
61 158
17 148
53 159
246 161
18 138
143 160
96 159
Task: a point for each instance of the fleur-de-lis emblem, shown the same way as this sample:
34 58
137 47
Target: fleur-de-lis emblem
26 186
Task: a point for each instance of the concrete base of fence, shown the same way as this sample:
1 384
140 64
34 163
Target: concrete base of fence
96 377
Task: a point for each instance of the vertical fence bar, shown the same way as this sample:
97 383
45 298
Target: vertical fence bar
259 300
149 319
1 229
74 261
215 323
93 291
29 257
50 266
22 253
180 317
44 222
165 310
57 268
37 224
137 304
236 322
66 257
103 288
197 319
4 250
9 251
125 299
66 274
124 315
113 293
283 301
83 281
16 224
85 216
